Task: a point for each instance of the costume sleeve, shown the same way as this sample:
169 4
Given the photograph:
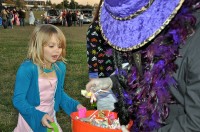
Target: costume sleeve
115 82
32 116
67 103
93 42
190 120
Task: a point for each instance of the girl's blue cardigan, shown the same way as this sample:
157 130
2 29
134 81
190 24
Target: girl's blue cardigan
26 94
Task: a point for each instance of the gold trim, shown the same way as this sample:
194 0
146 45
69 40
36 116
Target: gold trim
135 14
148 39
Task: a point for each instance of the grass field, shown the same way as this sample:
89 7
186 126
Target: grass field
13 50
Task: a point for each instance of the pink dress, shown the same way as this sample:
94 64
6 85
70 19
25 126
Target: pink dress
47 88
17 19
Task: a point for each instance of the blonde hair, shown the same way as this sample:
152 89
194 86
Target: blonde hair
39 38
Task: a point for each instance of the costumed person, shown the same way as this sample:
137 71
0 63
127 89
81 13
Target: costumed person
159 91
39 86
100 61
31 18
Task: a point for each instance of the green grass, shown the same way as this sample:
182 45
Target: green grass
13 50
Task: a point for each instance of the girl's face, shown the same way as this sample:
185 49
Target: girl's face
52 51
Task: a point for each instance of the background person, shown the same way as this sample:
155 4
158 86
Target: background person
4 16
16 18
10 18
64 17
22 16
81 17
31 18
69 18
74 18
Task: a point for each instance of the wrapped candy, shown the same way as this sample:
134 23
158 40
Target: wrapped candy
102 120
92 94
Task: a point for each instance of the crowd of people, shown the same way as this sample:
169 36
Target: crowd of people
12 17
72 18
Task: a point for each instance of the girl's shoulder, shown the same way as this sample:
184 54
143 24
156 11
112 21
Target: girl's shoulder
27 67
28 64
61 64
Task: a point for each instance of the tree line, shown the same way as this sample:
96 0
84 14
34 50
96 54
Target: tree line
65 4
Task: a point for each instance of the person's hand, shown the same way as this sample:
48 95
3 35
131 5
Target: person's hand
45 121
124 129
99 84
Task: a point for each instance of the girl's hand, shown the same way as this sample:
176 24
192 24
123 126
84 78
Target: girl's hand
45 121
79 106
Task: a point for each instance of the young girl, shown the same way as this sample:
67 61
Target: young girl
39 82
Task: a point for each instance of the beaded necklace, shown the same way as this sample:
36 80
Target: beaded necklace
45 70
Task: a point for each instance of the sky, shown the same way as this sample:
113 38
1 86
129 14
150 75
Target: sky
83 2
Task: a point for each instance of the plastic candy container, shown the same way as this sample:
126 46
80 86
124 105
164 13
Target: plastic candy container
96 121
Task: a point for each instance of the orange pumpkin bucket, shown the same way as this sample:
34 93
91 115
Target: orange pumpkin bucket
80 126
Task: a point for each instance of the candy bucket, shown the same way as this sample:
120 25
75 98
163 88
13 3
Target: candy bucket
80 126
